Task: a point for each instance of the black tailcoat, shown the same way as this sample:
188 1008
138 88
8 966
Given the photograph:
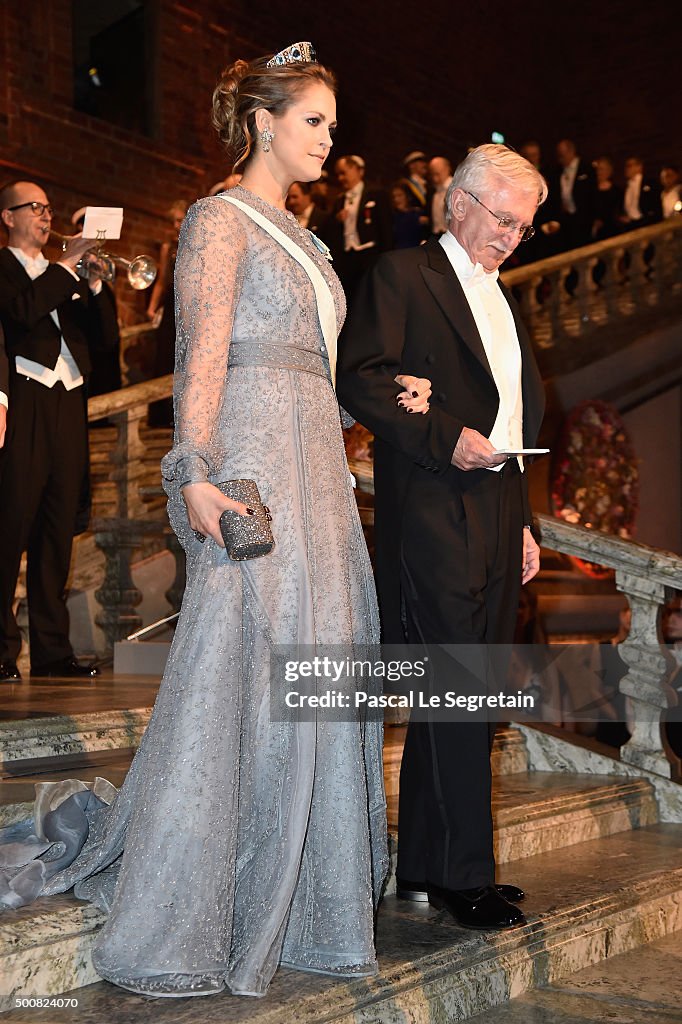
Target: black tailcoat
43 466
411 316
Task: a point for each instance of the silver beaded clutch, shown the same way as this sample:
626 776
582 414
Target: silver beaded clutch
245 536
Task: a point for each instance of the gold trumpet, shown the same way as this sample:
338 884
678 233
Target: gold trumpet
140 270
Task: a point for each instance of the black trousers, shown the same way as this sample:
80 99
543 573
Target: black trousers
469 597
42 469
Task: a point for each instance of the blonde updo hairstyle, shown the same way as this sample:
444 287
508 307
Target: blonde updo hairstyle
245 87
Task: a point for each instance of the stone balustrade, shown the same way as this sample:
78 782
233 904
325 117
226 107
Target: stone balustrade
646 577
121 534
126 410
585 303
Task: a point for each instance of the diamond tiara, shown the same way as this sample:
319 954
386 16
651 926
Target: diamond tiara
297 53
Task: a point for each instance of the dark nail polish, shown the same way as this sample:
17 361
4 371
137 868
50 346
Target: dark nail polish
410 410
250 512
415 394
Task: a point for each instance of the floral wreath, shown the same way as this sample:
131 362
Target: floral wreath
595 479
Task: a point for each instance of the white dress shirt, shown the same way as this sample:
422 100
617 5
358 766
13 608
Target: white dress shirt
632 193
438 225
351 238
568 176
497 329
65 369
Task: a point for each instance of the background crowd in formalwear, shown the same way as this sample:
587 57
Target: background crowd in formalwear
589 200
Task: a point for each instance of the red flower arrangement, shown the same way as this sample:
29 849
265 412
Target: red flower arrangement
595 480
359 443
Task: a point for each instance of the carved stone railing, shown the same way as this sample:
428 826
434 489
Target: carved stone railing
121 534
646 577
134 330
126 410
584 304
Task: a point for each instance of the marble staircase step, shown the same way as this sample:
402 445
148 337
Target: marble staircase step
82 746
609 896
605 993
39 739
509 754
46 949
538 812
17 794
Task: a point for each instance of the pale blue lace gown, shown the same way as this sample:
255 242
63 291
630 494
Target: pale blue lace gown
248 843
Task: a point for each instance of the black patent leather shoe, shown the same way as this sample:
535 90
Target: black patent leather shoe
416 891
511 893
482 908
66 668
9 673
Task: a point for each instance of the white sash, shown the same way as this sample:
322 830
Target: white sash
326 311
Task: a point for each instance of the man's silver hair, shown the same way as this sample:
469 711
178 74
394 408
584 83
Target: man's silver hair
489 167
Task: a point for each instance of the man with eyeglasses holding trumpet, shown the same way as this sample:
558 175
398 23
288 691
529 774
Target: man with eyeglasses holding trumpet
50 318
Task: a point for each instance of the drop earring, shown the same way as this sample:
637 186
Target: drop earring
266 137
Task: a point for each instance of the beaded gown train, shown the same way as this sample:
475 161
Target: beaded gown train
247 843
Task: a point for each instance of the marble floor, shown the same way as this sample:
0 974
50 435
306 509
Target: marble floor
568 896
40 698
110 764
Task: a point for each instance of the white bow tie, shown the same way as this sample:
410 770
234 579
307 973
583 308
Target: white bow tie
36 265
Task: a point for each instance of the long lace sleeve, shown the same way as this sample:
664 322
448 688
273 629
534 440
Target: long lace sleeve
208 280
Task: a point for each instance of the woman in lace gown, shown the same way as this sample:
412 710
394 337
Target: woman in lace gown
238 842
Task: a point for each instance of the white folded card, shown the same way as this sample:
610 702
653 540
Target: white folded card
521 451
103 222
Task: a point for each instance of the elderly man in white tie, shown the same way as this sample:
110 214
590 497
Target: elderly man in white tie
452 520
50 317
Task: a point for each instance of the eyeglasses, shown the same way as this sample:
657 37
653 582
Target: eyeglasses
37 209
504 224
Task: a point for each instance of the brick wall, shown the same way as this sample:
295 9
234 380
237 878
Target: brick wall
437 76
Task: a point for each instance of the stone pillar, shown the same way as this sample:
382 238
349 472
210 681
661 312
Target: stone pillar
118 596
647 668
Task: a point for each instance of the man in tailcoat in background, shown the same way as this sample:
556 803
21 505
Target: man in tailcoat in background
50 318
570 214
359 227
453 522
